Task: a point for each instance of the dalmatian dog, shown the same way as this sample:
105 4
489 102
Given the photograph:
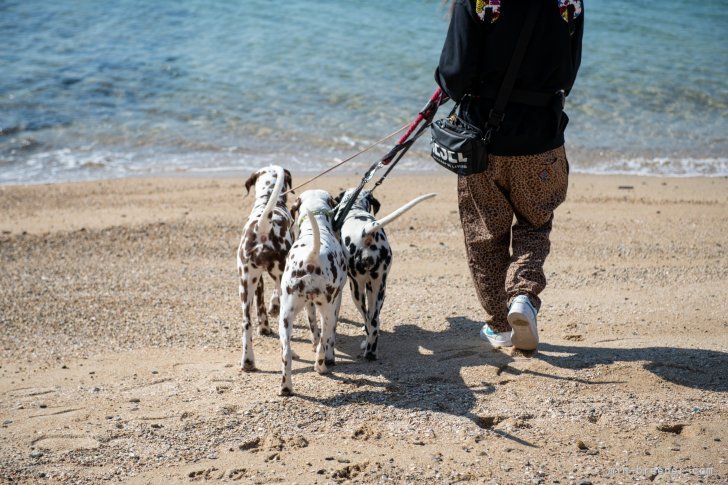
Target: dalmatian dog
369 259
314 276
267 238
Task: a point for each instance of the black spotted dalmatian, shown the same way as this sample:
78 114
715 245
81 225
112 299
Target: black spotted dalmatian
369 259
314 276
267 238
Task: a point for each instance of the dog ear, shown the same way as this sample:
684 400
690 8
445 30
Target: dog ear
251 181
339 197
374 203
288 180
295 208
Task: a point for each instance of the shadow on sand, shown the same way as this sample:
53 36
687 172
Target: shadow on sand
694 368
420 369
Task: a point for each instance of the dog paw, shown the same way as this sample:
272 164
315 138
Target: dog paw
265 331
330 362
274 310
320 366
248 365
286 392
363 344
370 356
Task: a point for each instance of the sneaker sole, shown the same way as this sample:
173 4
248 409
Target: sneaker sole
523 337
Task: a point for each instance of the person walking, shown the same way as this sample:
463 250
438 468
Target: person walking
527 172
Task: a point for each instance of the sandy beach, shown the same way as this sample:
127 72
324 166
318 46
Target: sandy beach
120 345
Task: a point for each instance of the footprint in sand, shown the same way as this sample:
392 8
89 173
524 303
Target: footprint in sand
206 474
65 442
56 413
155 386
458 355
237 474
32 391
202 367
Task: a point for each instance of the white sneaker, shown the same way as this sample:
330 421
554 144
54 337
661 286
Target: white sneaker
522 317
502 339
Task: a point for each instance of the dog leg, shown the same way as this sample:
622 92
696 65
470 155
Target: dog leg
337 309
325 349
315 332
325 355
247 361
275 299
263 326
375 300
289 309
358 296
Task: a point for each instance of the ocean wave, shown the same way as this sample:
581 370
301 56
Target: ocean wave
658 166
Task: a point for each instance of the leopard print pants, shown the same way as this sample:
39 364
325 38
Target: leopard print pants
507 259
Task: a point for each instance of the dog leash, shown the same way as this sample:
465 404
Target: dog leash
410 142
394 155
347 160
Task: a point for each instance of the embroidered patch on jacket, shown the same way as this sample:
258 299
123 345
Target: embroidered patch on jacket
488 10
564 8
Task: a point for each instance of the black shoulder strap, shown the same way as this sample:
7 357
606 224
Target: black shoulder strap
496 115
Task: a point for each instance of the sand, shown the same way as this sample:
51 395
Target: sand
120 346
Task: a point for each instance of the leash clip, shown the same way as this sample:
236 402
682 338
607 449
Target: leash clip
368 176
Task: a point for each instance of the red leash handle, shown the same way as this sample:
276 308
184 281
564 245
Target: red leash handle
437 98
427 113
434 101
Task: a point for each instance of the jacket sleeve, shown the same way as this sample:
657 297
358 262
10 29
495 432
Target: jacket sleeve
458 66
576 38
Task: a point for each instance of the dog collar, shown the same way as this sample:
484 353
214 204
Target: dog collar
353 214
318 212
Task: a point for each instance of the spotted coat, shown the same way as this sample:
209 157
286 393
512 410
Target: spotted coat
263 253
313 281
369 258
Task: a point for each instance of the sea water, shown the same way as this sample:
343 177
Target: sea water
99 89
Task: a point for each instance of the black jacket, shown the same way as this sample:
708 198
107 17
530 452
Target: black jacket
478 50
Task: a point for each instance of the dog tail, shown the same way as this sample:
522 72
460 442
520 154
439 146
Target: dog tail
316 248
386 220
264 223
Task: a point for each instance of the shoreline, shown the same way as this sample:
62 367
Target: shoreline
50 212
616 164
236 173
120 353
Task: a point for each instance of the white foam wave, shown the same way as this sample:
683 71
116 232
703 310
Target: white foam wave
658 166
89 163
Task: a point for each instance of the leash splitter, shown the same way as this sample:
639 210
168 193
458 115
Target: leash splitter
393 156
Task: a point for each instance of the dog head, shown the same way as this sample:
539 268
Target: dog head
313 200
364 201
264 180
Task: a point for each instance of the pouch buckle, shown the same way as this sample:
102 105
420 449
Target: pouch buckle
561 95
